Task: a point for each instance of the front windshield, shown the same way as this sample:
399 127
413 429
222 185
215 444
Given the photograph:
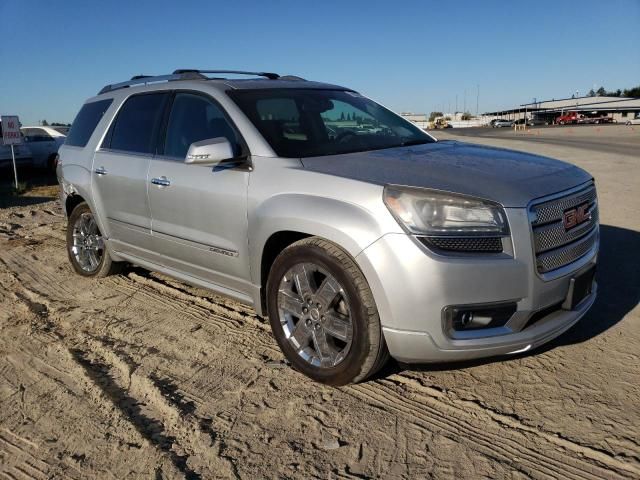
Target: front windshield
308 123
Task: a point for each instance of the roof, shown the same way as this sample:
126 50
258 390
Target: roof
265 83
47 128
259 80
589 102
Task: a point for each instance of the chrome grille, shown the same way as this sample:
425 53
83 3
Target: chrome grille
554 246
552 210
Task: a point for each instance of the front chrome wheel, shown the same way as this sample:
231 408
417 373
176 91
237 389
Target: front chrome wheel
88 246
315 316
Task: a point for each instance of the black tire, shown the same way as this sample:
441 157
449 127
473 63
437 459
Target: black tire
106 265
368 351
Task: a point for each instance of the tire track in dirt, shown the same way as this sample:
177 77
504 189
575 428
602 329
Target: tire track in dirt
40 279
19 458
163 419
499 444
157 409
512 422
241 328
538 454
568 466
534 454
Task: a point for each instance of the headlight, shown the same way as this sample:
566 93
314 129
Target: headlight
433 213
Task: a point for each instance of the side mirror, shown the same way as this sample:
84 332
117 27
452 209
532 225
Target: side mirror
209 152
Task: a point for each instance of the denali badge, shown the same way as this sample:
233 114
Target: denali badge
576 216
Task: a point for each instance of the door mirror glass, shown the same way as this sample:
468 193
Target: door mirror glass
209 152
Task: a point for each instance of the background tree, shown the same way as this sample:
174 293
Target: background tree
466 116
591 93
632 92
434 115
601 92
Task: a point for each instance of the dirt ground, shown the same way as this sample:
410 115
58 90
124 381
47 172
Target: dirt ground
140 376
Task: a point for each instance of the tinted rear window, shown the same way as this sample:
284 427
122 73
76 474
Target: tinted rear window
137 123
86 121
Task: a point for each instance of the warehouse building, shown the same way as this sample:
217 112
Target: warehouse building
420 119
620 109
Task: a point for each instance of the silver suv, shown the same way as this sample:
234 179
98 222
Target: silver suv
359 235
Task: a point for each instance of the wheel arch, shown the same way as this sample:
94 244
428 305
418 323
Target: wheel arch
72 201
285 219
75 182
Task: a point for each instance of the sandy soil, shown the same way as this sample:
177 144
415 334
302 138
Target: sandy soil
140 376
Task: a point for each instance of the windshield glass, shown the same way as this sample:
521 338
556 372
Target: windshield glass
308 123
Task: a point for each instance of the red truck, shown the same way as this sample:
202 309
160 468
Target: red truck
575 117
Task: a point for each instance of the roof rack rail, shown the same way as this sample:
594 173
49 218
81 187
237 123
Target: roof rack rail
269 75
184 74
144 79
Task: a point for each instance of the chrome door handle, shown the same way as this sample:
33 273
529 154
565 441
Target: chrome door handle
162 181
100 171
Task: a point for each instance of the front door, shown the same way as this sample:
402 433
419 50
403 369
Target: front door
199 214
120 167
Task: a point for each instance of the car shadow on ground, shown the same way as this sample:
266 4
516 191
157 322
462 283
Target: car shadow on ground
35 180
618 278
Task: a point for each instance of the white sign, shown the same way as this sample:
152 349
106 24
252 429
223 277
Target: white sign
11 130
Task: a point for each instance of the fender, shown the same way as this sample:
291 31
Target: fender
350 226
76 180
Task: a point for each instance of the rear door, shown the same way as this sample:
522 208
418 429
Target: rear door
199 214
120 166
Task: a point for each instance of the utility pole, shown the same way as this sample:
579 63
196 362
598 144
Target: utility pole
464 108
477 99
456 104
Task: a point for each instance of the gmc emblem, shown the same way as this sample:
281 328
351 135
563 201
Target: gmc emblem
576 216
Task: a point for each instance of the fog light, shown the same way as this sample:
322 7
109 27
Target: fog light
476 317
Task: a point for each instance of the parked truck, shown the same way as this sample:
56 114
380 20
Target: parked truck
575 117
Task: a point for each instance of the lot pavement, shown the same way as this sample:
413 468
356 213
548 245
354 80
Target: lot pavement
608 138
140 376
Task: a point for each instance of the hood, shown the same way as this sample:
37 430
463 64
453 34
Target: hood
508 177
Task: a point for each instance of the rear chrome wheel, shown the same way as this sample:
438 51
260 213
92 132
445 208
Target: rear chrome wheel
314 312
88 246
87 251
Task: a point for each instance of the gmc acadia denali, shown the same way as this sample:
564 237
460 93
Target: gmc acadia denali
359 235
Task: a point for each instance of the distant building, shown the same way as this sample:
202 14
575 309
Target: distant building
619 108
420 119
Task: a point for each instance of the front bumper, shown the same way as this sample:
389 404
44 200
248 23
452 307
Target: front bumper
412 286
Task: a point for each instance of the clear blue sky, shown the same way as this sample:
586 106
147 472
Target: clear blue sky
411 56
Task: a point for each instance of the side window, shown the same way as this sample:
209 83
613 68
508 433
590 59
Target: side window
137 123
194 118
86 121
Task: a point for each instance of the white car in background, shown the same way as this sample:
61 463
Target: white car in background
44 143
634 121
